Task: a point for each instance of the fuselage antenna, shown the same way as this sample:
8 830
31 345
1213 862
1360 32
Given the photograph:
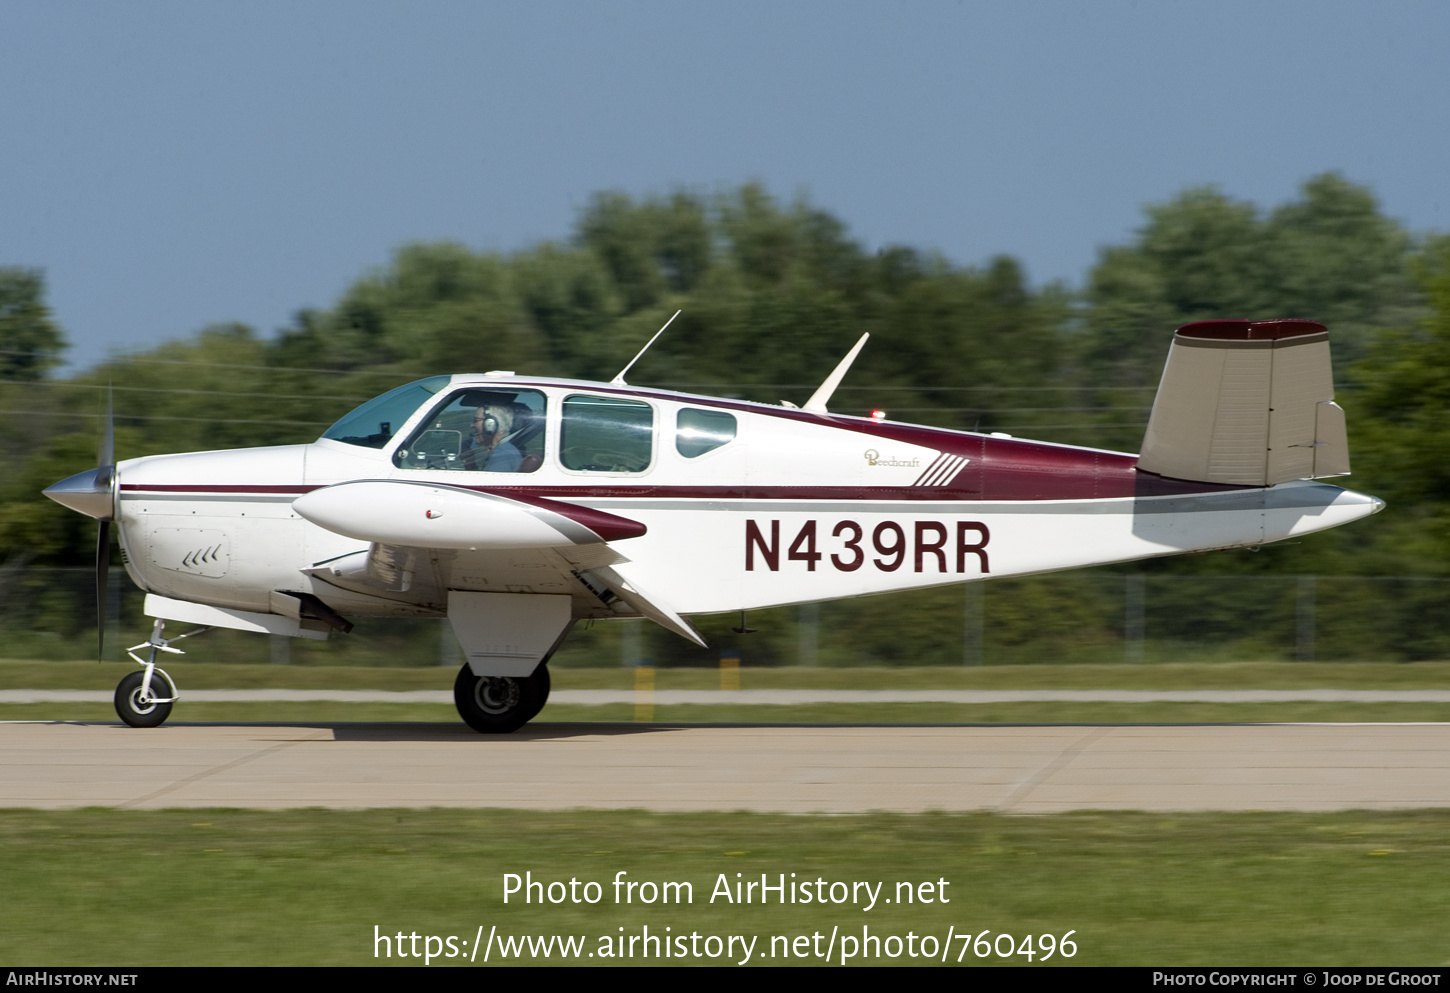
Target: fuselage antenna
817 403
619 380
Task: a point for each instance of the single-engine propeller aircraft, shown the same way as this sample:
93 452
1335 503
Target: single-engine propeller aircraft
516 506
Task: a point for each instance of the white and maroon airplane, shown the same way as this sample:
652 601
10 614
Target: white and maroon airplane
515 506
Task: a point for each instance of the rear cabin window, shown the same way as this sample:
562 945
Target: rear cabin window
482 430
606 434
700 431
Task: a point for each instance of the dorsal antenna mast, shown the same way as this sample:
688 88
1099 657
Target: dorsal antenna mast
619 380
817 403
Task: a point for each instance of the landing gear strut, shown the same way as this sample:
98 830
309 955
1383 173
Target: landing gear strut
144 699
500 704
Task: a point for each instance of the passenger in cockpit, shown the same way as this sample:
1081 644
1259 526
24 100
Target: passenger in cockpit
489 448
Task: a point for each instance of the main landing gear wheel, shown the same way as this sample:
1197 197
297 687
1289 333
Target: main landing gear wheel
499 704
139 713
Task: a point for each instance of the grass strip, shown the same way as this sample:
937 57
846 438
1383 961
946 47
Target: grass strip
307 887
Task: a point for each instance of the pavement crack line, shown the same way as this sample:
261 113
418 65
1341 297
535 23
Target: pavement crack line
205 773
1035 780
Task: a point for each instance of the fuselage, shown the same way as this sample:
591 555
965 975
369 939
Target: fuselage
743 505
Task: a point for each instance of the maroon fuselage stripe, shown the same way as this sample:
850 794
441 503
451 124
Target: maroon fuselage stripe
282 489
1017 484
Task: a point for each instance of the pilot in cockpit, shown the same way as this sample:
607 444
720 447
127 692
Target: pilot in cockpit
490 447
478 430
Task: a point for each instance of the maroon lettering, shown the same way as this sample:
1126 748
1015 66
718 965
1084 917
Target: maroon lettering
928 543
937 548
754 539
803 549
896 548
853 543
980 548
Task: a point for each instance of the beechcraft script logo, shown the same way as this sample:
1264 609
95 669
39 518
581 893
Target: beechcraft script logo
873 457
941 472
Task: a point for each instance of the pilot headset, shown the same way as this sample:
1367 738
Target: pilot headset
496 421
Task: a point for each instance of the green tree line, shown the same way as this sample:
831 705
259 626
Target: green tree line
772 294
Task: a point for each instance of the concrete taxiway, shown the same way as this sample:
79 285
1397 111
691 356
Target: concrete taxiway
767 698
780 768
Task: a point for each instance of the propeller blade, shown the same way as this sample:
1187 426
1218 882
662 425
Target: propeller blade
103 567
105 480
107 453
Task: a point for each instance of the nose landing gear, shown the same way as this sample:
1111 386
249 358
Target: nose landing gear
144 699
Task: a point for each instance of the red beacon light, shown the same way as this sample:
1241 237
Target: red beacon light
878 415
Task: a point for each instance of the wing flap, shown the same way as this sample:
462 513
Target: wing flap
646 604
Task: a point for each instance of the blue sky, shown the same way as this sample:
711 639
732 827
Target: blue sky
170 165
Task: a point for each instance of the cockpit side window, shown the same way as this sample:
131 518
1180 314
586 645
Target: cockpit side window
700 431
479 430
372 424
606 434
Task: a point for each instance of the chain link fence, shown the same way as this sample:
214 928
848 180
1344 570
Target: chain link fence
1083 617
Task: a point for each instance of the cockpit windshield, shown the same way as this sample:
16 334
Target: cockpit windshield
372 425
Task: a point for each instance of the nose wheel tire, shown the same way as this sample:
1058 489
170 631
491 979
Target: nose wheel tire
143 713
499 704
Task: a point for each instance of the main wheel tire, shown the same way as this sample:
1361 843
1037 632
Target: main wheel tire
541 677
499 704
128 700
